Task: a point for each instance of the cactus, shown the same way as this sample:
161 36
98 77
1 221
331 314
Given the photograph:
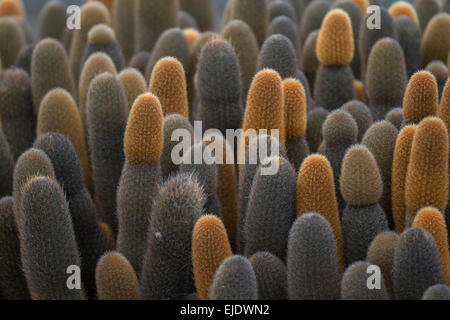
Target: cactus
226 183
437 292
421 97
191 35
244 43
316 117
234 280
106 121
271 209
108 233
101 38
312 17
278 53
265 108
172 122
444 114
381 253
254 13
312 264
361 187
92 13
354 284
186 21
6 166
262 146
16 110
409 37
52 20
416 264
386 77
440 72
49 70
380 139
12 279
45 215
23 60
316 193
363 4
91 240
310 62
202 11
280 8
285 26
435 43
403 8
124 12
115 278
369 36
359 91
219 86
210 247
140 177
433 221
12 8
97 64
395 116
168 83
362 115
271 275
134 84
172 43
26 29
339 131
427 174
59 113
426 10
295 121
12 41
140 61
166 273
402 153
206 173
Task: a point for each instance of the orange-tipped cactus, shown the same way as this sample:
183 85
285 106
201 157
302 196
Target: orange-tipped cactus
402 153
210 247
362 4
432 220
444 109
403 8
427 175
421 97
316 193
359 89
12 8
168 83
335 45
192 35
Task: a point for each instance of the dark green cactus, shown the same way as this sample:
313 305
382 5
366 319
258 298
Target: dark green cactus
278 53
92 242
395 116
6 166
286 27
219 87
12 40
140 61
186 21
409 37
124 11
167 270
235 280
426 10
16 110
202 11
47 241
312 17
362 115
312 266
12 279
437 292
310 62
440 72
52 20
417 264
24 57
106 122
316 117
280 8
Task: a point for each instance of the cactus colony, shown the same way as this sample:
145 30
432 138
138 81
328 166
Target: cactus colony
89 121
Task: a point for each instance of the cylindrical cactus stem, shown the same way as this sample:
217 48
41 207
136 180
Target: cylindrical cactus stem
278 53
92 242
400 164
440 72
426 10
310 63
281 8
140 61
134 84
12 8
47 241
12 279
271 208
140 177
437 292
219 86
316 117
115 278
186 21
52 20
23 60
202 11
362 115
106 122
6 166
417 265
210 247
427 174
444 114
234 280
295 121
124 12
403 8
355 284
435 42
409 37
12 40
312 17
312 265
316 193
361 187
395 116
288 28
271 275
167 272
